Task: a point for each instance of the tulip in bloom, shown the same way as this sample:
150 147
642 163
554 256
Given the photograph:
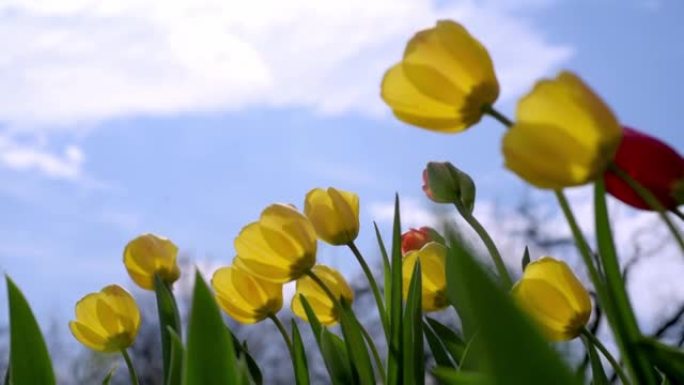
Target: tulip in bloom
415 239
554 298
444 80
280 247
432 259
651 162
334 214
244 297
149 255
106 321
320 302
564 135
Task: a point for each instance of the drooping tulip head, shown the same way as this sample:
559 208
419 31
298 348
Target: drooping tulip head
651 162
280 247
149 255
334 214
564 135
415 239
444 80
432 259
554 297
106 321
320 302
244 297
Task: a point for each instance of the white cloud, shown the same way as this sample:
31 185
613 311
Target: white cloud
32 156
81 61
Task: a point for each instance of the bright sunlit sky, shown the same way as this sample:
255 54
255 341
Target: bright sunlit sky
186 118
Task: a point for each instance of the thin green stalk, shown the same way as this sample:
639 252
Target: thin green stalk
491 111
613 362
652 201
491 246
374 288
283 332
336 301
678 213
131 368
374 351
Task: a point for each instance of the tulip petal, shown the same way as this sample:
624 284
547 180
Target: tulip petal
124 306
346 206
87 336
86 313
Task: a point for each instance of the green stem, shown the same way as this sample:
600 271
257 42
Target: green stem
613 362
489 243
283 332
649 198
491 111
678 213
374 351
374 288
131 369
336 301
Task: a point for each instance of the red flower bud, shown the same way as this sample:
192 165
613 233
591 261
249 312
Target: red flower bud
652 163
415 239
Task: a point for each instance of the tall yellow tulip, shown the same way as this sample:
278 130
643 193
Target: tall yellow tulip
320 302
280 247
432 257
244 297
149 255
334 214
444 81
106 321
554 297
564 135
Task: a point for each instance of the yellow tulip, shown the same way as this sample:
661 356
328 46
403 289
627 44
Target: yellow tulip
334 214
554 297
444 81
106 321
320 302
279 247
564 135
432 259
149 255
245 297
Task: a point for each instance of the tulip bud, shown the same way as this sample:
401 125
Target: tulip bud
554 298
244 297
334 214
149 255
444 183
415 239
106 321
324 308
432 259
652 163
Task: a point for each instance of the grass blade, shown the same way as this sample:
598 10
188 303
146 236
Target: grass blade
395 351
414 355
356 346
300 362
437 348
169 319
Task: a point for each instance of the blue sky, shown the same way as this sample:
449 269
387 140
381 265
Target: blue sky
186 121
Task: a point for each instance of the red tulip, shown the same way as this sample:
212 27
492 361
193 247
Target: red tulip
415 239
651 162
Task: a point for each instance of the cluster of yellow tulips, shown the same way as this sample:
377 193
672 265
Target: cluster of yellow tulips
564 136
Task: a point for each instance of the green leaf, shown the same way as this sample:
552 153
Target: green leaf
108 377
359 359
437 348
449 338
450 376
210 357
625 327
598 374
29 358
300 363
387 269
332 349
509 346
394 354
414 357
175 375
242 351
169 319
668 360
526 258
